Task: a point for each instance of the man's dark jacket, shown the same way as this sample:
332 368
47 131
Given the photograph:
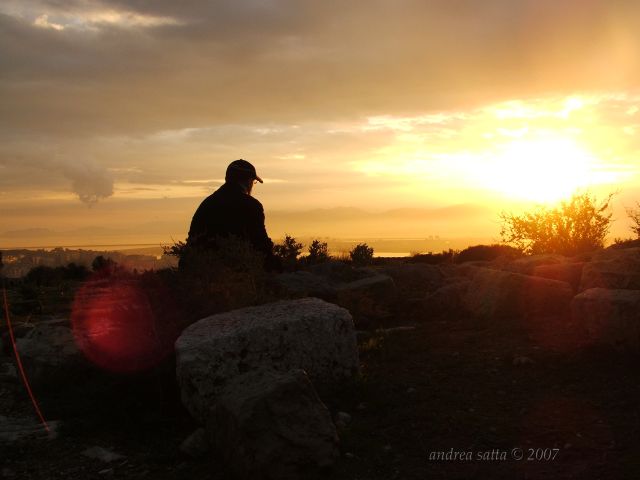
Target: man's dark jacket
230 211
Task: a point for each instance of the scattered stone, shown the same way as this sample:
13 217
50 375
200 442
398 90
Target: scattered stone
411 390
24 430
387 448
608 316
102 454
271 424
361 406
342 420
8 372
521 360
106 471
8 473
405 328
196 445
309 334
349 455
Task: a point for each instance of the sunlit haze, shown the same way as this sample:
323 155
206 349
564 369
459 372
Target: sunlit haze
376 119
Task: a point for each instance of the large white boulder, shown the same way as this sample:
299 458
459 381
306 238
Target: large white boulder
610 317
272 425
308 334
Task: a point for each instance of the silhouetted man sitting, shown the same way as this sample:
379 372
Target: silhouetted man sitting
232 211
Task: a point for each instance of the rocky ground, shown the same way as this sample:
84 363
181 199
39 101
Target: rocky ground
532 398
446 385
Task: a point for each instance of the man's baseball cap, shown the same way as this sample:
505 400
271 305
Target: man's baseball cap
245 167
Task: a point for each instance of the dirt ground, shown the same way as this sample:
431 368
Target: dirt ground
508 403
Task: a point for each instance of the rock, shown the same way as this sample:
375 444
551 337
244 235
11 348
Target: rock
413 277
610 317
337 271
272 425
7 473
521 360
613 268
308 333
379 287
343 417
306 284
102 454
50 355
493 294
446 301
368 299
8 372
526 265
196 445
570 273
25 430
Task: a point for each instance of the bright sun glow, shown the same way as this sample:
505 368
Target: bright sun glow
544 170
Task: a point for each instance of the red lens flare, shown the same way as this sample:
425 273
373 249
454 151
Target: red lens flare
23 374
115 327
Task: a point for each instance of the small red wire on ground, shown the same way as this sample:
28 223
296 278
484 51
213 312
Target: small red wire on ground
19 362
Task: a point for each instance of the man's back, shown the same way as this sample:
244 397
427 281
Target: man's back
229 211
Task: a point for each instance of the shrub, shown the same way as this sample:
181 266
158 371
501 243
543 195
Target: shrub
486 253
575 226
362 254
175 250
318 252
288 251
619 243
228 276
447 256
103 265
634 215
53 276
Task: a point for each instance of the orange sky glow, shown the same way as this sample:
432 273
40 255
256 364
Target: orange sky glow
119 117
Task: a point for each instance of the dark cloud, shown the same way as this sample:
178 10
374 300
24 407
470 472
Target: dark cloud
290 61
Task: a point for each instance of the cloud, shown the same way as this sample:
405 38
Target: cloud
285 61
89 181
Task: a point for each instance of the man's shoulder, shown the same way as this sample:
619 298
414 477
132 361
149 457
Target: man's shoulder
253 201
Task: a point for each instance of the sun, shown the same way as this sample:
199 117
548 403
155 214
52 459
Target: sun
542 170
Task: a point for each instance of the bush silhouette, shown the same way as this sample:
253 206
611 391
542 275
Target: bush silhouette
634 215
575 226
288 251
318 252
231 275
446 256
362 254
486 253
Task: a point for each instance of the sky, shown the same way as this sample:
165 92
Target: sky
117 117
